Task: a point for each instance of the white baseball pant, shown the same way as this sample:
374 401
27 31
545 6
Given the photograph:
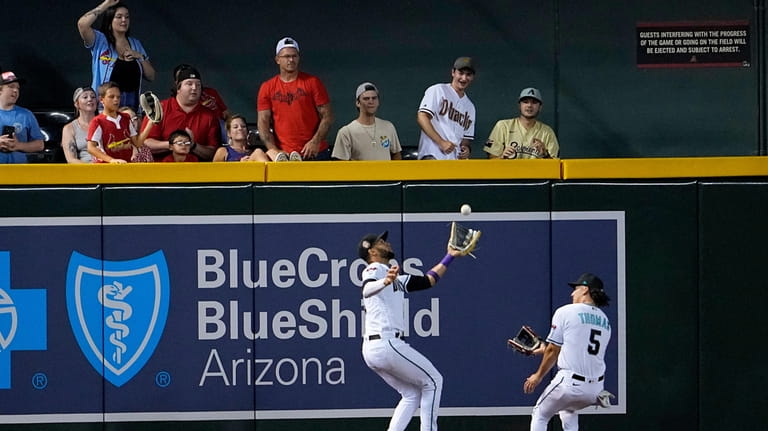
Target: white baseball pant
412 375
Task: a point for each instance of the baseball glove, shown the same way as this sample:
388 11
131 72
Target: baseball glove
526 341
463 239
150 104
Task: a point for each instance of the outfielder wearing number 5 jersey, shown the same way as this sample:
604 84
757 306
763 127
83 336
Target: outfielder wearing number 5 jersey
384 350
578 340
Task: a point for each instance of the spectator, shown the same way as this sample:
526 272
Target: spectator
210 99
21 133
74 135
523 137
115 55
181 143
237 150
112 138
296 105
367 137
447 117
143 154
134 116
184 111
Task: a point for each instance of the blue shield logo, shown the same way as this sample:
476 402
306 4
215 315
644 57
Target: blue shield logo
9 320
117 311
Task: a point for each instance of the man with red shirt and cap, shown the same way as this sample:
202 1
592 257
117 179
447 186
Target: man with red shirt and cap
296 106
185 112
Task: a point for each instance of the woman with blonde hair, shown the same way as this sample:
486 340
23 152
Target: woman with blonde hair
73 135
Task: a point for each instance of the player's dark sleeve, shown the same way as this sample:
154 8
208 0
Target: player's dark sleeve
417 282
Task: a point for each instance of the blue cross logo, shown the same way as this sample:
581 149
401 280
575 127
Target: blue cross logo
22 319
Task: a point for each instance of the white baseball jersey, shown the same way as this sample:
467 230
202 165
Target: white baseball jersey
453 118
401 366
385 311
583 333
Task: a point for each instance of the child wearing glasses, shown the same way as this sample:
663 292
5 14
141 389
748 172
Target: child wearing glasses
181 144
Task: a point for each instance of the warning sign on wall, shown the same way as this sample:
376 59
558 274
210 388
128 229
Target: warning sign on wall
693 44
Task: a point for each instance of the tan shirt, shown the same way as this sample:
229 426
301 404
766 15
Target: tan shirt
512 133
358 142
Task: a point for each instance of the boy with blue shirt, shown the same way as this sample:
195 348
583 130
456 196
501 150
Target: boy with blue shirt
20 131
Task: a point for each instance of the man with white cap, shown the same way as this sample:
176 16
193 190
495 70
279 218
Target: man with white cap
447 117
294 110
20 131
523 137
367 137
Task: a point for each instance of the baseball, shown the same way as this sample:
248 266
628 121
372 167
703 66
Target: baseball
466 210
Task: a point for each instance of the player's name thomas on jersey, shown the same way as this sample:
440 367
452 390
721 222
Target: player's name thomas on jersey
594 319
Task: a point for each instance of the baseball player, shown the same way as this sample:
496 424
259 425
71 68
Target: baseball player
447 117
577 342
409 372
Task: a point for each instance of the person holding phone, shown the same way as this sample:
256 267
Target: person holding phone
115 55
21 132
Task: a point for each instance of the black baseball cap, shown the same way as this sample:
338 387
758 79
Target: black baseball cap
187 73
588 279
368 241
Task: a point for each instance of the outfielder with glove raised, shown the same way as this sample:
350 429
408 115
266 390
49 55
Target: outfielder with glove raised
577 342
384 350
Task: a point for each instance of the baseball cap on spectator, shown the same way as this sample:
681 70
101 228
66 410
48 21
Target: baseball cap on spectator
187 73
365 86
588 279
532 93
180 67
79 91
286 42
464 63
368 241
9 77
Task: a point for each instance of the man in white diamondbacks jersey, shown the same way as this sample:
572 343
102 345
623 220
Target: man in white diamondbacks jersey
447 117
523 137
409 372
577 342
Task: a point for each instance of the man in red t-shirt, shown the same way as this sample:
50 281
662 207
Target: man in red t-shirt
209 98
184 111
296 105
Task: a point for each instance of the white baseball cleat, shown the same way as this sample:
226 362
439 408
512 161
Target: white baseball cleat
604 398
